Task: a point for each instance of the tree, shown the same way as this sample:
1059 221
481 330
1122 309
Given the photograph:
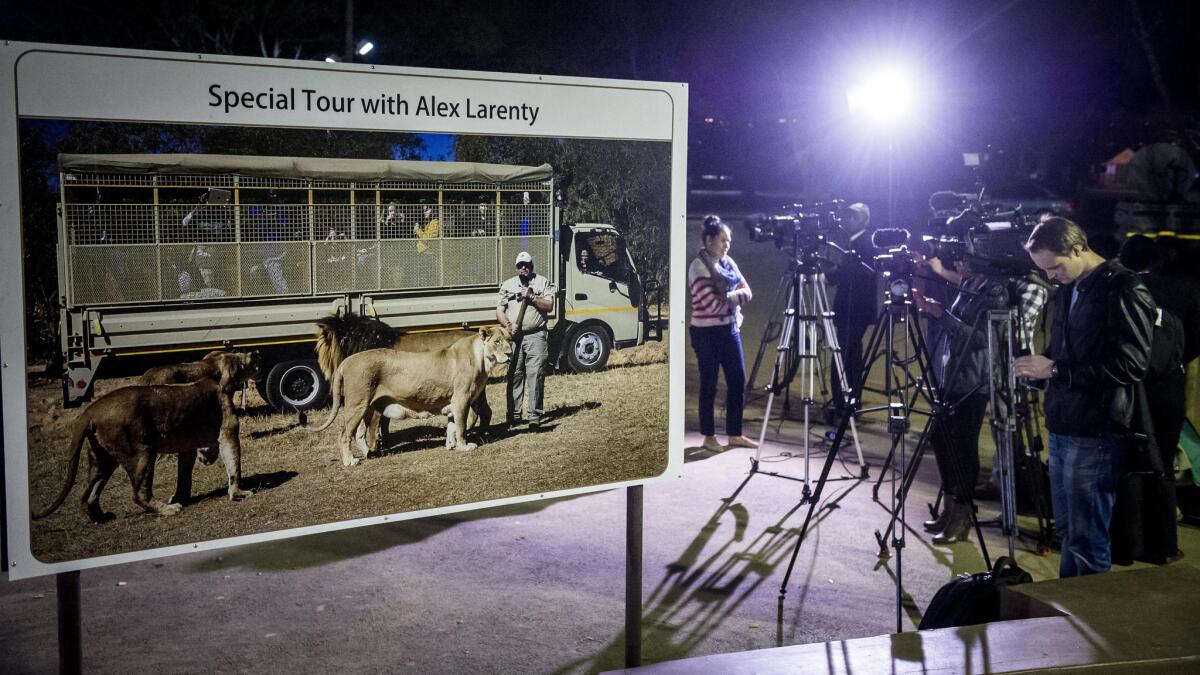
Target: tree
623 183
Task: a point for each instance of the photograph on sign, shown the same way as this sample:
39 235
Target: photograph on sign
212 300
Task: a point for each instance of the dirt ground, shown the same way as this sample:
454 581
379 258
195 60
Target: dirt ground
299 480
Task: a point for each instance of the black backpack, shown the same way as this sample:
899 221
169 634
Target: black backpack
973 598
1166 347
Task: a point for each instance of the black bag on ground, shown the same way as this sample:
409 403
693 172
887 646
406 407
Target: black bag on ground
1143 520
973 598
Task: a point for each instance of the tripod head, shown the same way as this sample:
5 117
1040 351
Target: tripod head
810 261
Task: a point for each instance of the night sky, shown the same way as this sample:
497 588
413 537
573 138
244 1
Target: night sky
1052 86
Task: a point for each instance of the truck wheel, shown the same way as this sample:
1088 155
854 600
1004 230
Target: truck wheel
296 385
587 348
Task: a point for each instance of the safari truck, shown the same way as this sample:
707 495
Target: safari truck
180 254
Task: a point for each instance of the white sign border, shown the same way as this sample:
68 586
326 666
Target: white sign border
21 563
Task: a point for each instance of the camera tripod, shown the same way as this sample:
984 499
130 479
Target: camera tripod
806 317
899 319
1014 429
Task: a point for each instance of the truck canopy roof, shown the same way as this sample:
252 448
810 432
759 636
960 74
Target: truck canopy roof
307 167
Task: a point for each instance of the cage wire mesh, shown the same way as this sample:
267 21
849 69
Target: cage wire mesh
290 236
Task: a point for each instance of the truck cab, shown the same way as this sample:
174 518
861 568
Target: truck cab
604 304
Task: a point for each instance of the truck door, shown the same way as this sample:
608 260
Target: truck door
603 294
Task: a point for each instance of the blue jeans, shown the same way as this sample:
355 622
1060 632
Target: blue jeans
1083 487
720 347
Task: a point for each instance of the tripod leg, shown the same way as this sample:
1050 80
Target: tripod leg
906 481
883 471
809 357
787 329
812 502
830 457
1033 463
768 334
837 364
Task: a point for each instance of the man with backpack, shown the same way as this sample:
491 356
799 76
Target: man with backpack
1099 349
1166 379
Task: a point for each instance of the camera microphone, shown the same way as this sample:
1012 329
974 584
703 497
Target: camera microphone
889 237
949 201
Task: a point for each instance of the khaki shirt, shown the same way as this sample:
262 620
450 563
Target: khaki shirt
535 319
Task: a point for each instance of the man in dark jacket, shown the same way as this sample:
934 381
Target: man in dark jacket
1099 347
855 306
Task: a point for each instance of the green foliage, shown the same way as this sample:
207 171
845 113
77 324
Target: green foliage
623 183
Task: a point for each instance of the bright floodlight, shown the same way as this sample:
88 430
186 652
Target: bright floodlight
883 97
365 47
330 59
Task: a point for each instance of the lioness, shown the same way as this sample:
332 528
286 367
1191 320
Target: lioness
132 425
449 380
223 367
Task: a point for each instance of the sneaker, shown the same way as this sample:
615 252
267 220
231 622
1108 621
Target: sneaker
712 444
741 442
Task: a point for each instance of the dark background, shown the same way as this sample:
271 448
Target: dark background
1047 90
1051 88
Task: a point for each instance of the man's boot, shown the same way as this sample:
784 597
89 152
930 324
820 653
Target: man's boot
957 526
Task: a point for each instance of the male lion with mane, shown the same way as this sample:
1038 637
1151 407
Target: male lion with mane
383 382
131 426
343 335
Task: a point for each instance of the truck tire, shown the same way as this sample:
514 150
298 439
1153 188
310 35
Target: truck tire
587 348
295 386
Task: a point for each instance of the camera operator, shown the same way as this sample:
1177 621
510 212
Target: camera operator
854 305
1099 347
960 354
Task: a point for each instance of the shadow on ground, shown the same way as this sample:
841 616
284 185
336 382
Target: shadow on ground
695 597
256 483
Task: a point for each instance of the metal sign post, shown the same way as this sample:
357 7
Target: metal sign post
633 576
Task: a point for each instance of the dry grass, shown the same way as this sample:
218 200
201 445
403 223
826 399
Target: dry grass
601 428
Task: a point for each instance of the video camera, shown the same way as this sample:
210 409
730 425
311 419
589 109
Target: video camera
990 238
897 263
804 229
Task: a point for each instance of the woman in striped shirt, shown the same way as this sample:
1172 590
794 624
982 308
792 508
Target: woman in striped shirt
718 292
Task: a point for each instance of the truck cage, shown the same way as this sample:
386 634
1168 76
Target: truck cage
147 229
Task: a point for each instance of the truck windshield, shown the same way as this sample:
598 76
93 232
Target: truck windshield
602 254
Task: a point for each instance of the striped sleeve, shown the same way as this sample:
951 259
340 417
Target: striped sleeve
709 306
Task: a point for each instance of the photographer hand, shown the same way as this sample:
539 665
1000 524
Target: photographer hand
1034 367
928 305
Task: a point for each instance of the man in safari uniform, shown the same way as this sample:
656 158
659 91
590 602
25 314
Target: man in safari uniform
530 342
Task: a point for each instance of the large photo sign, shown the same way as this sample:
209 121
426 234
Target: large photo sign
259 299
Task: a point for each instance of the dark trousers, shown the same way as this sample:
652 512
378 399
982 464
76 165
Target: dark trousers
850 340
955 441
720 347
